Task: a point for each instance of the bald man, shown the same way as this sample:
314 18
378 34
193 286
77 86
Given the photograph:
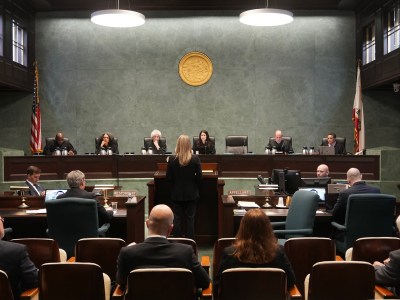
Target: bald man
323 171
357 186
280 144
59 143
157 252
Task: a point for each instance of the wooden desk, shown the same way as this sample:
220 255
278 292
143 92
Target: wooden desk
127 223
230 223
229 166
206 221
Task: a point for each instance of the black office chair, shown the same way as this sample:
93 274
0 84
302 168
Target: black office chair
340 140
236 144
50 140
71 219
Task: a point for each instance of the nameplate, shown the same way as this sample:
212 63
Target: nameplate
125 193
239 192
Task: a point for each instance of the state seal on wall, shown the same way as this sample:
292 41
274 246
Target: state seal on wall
195 68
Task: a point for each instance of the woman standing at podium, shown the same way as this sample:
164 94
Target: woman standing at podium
184 172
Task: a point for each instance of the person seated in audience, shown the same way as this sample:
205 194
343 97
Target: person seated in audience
105 142
280 144
332 142
157 251
155 143
76 182
388 272
322 171
357 186
255 247
32 180
59 143
204 145
15 262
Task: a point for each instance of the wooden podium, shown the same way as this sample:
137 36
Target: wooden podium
206 221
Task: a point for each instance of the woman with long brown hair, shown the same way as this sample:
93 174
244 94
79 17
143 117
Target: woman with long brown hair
184 172
255 247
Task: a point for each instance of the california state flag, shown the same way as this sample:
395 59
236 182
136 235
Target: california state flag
358 117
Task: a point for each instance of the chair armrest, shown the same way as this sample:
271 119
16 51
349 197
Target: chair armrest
295 293
118 293
338 226
294 231
207 293
278 224
103 229
205 263
30 294
383 293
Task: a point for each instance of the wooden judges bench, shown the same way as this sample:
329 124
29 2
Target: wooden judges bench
127 223
229 165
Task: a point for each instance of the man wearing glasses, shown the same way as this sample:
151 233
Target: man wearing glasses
15 262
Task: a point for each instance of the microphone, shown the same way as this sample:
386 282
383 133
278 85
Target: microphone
261 179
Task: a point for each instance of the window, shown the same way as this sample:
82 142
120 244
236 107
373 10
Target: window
392 28
1 36
19 40
369 43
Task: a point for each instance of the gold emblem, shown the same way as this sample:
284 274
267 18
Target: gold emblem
195 68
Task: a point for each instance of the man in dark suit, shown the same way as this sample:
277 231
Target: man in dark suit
32 180
59 143
332 142
388 272
357 186
77 183
15 261
280 144
157 252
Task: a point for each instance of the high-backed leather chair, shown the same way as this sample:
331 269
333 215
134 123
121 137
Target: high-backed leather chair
52 139
101 251
341 140
367 215
42 250
300 218
340 280
237 144
71 219
304 252
78 281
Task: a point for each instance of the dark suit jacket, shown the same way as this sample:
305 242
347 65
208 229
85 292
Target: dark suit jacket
339 210
389 274
339 147
162 150
21 272
158 252
112 144
284 146
207 148
280 261
104 216
185 180
32 191
52 145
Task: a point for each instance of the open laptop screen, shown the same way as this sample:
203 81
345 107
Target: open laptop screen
326 150
52 194
320 191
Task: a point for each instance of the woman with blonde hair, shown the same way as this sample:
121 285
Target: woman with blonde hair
184 173
255 247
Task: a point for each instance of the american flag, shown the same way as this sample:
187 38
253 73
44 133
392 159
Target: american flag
358 117
36 128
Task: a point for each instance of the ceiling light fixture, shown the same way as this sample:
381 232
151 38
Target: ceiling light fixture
266 17
117 17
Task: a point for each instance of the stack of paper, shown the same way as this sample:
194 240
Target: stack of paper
248 204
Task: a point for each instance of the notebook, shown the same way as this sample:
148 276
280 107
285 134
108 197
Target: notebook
52 194
326 150
320 191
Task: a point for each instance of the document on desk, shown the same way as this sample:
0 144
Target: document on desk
248 204
239 212
36 211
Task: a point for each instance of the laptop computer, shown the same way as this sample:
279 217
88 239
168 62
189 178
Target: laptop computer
52 194
320 191
326 150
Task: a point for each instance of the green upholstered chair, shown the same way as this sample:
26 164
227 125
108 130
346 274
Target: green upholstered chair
300 218
71 219
367 215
